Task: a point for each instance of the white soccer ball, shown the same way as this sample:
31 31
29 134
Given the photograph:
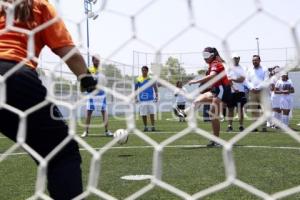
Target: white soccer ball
121 135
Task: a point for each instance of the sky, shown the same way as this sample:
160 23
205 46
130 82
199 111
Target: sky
238 22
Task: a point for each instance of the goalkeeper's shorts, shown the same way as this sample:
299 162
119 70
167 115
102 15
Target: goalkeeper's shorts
45 128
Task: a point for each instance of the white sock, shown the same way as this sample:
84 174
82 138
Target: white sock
270 122
277 116
291 114
285 119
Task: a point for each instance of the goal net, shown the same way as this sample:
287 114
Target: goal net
130 34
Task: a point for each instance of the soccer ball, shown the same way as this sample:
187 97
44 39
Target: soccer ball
121 135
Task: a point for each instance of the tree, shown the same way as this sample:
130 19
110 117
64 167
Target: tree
112 73
172 71
201 71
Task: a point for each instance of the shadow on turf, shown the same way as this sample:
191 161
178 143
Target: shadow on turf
193 148
125 156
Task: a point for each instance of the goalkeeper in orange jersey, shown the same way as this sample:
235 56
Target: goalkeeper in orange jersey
24 90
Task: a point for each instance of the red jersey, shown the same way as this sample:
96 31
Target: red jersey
218 67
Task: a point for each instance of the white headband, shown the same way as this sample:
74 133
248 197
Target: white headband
207 55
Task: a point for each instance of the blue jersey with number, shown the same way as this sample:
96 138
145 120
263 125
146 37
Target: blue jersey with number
148 93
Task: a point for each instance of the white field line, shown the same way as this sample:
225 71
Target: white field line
169 132
177 146
102 134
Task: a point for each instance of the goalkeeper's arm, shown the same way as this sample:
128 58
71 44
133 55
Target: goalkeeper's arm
77 65
75 62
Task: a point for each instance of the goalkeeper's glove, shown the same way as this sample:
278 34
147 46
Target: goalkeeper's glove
87 82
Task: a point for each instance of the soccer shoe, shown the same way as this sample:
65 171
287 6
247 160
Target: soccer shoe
213 144
108 134
229 129
153 128
241 128
84 134
255 130
145 129
179 113
275 127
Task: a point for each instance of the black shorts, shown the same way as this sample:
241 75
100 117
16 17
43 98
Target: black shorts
237 99
23 91
181 106
43 133
223 92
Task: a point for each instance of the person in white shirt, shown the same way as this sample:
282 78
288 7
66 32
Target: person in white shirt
237 76
275 98
255 78
180 99
284 88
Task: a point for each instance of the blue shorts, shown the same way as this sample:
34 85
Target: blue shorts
97 103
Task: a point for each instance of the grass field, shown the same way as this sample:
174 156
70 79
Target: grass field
187 164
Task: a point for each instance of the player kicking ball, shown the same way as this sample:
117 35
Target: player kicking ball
220 91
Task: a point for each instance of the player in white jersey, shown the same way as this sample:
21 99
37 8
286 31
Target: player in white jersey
285 88
275 98
180 99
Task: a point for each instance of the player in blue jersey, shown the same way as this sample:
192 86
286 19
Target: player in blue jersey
146 98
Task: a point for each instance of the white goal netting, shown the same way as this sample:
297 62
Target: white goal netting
118 32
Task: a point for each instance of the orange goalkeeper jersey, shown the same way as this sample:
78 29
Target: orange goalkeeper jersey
13 45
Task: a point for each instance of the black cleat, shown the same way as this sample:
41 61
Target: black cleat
229 129
178 112
213 144
241 128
